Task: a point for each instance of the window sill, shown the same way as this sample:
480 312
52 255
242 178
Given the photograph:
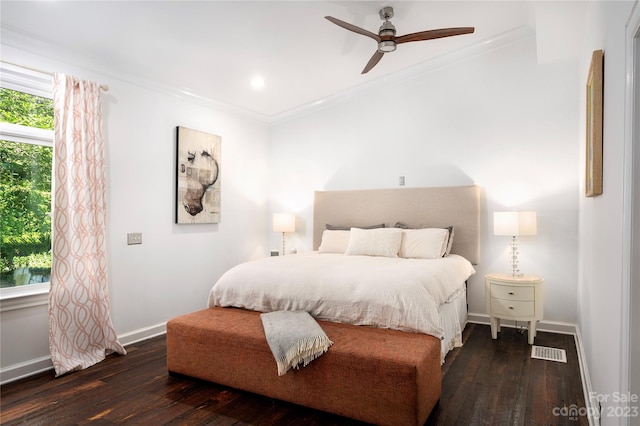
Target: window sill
13 298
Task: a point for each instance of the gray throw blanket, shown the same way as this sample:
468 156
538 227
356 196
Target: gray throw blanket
294 338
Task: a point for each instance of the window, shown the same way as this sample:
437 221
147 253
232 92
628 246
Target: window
26 156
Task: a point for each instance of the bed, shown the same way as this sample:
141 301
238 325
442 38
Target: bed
392 308
414 295
431 207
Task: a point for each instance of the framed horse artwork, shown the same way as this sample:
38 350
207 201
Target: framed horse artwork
197 176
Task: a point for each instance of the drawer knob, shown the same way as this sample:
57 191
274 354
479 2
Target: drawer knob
510 307
511 293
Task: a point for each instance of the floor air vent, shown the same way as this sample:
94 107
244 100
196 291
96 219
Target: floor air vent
549 354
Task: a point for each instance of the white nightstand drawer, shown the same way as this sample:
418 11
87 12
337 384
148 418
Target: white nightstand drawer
512 292
512 308
515 298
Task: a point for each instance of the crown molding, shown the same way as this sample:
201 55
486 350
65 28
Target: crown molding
466 53
43 49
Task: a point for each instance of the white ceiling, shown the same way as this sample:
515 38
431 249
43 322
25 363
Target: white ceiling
213 48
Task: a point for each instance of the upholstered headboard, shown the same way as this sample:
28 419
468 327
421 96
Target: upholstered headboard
416 207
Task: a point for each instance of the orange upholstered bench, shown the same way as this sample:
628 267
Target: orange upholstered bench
369 374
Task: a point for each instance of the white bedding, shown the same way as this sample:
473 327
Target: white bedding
396 293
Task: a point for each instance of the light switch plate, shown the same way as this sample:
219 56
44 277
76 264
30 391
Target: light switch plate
134 238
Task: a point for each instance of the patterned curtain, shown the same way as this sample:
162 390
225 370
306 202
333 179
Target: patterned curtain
81 333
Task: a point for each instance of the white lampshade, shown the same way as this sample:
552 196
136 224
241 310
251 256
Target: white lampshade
515 223
284 222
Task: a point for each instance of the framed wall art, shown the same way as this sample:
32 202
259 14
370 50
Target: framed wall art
197 176
595 92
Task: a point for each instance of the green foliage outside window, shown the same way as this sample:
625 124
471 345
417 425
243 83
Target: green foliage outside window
26 109
25 190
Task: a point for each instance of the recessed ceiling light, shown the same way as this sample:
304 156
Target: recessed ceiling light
258 82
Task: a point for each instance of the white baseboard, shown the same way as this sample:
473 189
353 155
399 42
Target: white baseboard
593 409
143 334
21 370
28 368
592 412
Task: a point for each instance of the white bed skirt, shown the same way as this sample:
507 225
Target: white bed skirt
453 319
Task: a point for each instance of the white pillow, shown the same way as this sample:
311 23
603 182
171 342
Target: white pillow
375 242
334 241
426 243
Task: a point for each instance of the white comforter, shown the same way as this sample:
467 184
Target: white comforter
396 293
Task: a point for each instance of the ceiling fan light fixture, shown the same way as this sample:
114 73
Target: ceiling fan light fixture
387 46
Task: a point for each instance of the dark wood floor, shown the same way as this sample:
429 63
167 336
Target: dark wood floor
491 382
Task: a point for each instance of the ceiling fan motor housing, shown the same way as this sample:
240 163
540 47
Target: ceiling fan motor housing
387 31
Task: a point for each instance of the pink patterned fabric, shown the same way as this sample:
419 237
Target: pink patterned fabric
80 330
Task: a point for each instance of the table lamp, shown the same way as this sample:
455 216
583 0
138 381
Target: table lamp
284 222
515 224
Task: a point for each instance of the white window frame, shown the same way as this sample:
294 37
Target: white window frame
37 84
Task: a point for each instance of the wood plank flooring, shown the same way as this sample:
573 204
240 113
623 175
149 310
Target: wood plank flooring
486 382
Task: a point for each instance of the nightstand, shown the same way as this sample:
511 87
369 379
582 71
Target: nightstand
514 298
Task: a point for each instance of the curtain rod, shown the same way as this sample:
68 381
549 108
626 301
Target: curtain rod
104 87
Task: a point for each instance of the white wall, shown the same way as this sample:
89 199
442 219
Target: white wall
172 271
496 119
601 222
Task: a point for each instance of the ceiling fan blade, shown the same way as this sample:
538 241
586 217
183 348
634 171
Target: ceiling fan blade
431 34
373 61
351 27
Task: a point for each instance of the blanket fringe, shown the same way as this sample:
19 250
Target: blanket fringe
303 353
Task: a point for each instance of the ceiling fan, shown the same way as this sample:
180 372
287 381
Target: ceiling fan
386 37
